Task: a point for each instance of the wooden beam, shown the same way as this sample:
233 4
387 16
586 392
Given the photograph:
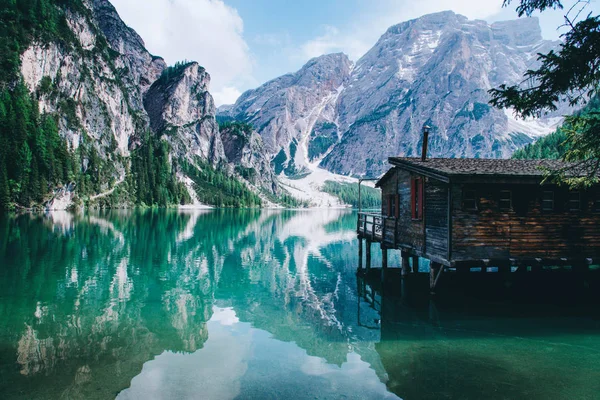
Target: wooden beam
435 271
450 208
405 264
415 264
360 253
384 257
368 261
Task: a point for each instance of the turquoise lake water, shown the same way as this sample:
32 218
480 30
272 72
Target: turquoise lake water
267 305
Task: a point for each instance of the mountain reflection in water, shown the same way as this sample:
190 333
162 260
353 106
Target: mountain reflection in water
257 304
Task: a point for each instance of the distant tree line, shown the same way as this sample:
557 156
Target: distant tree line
348 193
216 187
570 75
556 145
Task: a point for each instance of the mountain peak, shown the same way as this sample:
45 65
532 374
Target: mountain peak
429 21
329 67
518 32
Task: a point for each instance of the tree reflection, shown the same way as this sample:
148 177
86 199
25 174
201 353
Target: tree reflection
87 299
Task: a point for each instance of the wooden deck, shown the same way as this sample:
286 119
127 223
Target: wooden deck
378 228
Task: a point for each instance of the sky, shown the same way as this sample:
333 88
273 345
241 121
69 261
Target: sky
244 43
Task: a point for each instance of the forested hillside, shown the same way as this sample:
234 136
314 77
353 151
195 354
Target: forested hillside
554 145
348 193
60 133
33 157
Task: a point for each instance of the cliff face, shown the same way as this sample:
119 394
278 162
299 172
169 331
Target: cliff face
433 70
244 148
109 93
182 111
295 114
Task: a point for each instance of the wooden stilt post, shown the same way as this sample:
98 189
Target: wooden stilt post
537 265
435 271
415 264
368 261
484 267
384 257
360 253
384 264
405 265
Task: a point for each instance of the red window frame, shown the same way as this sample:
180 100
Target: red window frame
416 194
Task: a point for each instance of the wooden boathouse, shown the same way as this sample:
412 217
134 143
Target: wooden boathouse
481 213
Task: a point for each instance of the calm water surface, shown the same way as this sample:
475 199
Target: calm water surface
265 305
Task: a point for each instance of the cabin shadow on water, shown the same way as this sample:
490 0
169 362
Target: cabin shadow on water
483 338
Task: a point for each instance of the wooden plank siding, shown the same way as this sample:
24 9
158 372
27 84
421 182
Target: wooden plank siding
436 218
525 231
426 235
504 220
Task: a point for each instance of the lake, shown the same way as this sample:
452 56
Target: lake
266 304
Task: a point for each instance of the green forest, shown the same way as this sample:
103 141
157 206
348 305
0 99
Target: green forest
35 160
348 193
555 145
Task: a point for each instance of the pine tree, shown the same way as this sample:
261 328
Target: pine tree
571 75
4 193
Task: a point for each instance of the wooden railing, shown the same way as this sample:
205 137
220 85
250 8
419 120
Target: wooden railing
370 226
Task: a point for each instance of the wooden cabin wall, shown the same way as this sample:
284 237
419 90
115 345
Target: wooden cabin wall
436 218
427 235
389 188
526 231
410 233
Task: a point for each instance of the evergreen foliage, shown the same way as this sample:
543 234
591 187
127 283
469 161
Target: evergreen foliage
33 157
155 179
551 147
216 187
21 21
286 200
556 145
571 75
348 193
173 71
241 129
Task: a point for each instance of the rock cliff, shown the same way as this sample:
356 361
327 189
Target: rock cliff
433 70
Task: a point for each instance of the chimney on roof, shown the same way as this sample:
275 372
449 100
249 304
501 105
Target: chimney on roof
426 129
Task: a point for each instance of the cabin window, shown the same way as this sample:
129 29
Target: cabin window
393 206
548 200
506 200
417 198
574 201
469 200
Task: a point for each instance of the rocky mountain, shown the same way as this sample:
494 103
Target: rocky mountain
118 125
295 113
433 70
244 148
183 111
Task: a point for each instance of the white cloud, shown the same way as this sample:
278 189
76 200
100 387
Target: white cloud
207 31
227 95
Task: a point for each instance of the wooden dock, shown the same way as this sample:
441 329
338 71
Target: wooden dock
375 228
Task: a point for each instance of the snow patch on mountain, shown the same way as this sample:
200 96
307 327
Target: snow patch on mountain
532 127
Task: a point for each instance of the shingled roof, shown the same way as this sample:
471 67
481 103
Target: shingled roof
482 167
